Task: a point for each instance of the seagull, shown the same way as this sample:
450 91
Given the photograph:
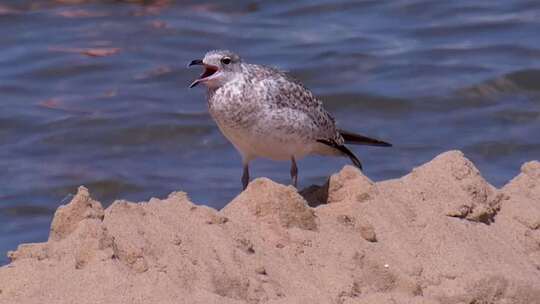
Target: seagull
265 112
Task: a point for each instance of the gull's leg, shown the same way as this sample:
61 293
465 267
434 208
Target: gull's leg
245 175
294 172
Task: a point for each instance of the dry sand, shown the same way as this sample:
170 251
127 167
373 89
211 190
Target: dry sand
440 234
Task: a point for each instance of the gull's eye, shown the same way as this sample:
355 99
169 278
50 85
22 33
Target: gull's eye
225 60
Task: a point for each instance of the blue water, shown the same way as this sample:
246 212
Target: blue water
428 76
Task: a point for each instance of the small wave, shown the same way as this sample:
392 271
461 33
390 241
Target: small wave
519 81
26 210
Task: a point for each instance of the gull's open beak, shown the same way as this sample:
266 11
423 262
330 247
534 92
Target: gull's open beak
209 70
195 62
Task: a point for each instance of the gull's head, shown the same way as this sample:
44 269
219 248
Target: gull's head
220 67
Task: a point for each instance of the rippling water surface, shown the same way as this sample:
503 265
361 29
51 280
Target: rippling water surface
95 93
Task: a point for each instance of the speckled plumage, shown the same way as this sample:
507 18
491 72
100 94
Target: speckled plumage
266 113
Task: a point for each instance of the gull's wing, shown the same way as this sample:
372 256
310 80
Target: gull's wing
287 95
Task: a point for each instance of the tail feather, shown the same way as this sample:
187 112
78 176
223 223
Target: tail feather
343 149
357 139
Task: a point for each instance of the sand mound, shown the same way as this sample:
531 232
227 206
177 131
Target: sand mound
441 234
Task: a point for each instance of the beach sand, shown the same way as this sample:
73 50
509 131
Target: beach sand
440 234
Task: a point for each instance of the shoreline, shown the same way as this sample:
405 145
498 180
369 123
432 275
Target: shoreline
440 234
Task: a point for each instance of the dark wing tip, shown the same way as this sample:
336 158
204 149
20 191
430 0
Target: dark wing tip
358 139
343 149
